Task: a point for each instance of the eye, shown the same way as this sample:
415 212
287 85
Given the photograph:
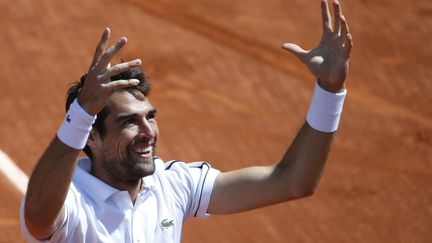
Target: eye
128 121
151 115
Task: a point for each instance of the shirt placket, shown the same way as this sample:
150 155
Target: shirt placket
138 229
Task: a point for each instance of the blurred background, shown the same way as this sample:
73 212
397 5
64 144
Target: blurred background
228 94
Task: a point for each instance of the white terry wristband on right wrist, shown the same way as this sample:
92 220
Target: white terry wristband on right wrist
325 109
76 126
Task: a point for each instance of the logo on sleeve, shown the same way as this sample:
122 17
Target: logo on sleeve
166 223
68 119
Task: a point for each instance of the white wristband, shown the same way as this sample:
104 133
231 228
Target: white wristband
325 109
76 126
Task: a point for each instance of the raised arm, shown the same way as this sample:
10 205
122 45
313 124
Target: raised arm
299 170
52 175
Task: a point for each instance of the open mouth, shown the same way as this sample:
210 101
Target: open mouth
144 150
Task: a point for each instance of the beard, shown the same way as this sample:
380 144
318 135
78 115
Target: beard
130 168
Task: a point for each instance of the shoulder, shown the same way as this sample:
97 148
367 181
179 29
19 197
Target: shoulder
193 176
181 165
191 184
192 170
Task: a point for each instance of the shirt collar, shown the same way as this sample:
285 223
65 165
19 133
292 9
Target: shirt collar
91 184
148 182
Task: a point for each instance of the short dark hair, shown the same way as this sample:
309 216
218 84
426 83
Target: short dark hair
135 73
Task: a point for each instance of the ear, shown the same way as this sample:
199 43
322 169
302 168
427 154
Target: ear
93 138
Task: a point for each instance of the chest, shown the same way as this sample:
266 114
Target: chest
153 218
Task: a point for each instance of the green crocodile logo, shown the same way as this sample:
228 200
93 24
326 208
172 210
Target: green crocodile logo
166 223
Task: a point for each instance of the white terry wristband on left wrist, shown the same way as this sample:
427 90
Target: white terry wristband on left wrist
325 109
76 126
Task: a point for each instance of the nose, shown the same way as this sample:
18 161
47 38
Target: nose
146 130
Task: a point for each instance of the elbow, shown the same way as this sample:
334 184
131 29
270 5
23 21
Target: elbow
308 193
304 194
39 224
301 192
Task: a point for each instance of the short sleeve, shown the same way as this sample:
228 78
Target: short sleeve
194 185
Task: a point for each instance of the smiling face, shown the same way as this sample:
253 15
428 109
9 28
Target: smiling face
125 153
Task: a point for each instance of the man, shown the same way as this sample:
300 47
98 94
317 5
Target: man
122 192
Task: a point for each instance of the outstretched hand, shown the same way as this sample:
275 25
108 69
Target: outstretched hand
98 85
329 61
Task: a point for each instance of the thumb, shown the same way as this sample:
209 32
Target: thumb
295 49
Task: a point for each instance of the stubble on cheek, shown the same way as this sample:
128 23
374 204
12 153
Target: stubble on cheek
113 162
123 164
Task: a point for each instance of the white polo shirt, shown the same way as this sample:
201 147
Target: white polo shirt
97 212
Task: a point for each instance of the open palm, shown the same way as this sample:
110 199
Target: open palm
329 61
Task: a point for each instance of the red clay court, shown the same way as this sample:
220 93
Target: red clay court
227 93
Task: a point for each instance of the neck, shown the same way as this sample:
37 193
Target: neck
134 190
133 187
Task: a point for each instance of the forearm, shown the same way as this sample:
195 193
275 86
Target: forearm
301 166
48 187
300 169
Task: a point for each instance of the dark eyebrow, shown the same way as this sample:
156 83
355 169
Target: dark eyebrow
125 116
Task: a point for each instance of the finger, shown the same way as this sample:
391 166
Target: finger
295 49
100 47
337 16
326 19
121 84
346 36
348 44
344 27
110 53
119 68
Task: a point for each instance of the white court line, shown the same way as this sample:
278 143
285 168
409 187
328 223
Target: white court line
15 175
